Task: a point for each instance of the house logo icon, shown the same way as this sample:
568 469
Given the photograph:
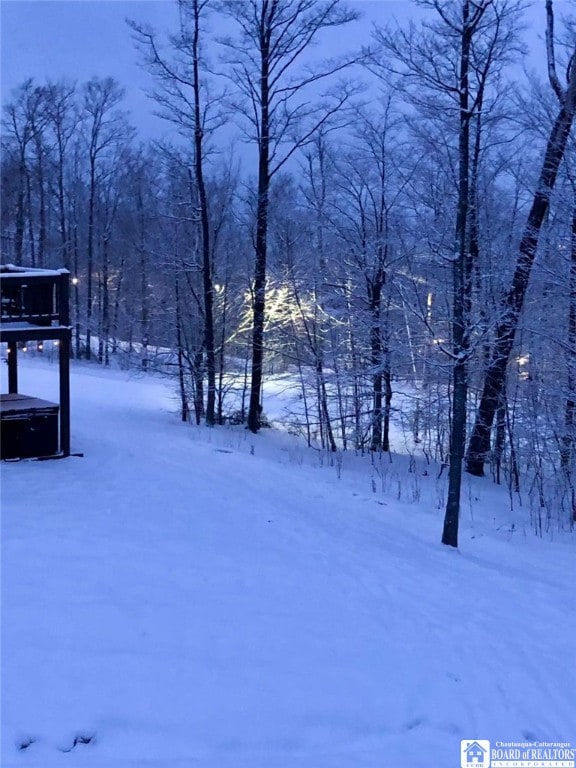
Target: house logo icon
475 754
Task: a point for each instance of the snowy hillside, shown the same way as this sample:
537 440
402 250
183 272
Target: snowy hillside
181 597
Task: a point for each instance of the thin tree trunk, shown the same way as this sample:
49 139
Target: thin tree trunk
104 352
339 394
184 409
375 300
460 293
204 225
387 376
32 243
75 283
20 217
117 300
90 265
323 402
144 293
65 251
42 208
221 352
500 437
254 409
99 335
199 385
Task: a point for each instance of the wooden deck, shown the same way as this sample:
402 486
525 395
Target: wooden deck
34 307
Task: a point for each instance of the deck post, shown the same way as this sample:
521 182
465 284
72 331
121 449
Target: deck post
13 367
64 361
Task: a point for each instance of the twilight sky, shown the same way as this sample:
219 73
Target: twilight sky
77 39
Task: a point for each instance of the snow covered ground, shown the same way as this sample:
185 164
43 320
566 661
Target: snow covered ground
185 597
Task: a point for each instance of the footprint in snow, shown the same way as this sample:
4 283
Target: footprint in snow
529 735
414 723
25 743
81 738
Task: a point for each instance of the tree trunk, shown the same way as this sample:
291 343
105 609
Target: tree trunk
75 283
259 311
90 265
568 440
500 437
221 353
387 402
513 302
374 300
20 217
198 385
103 343
65 251
460 298
144 293
323 405
117 300
41 207
184 409
32 243
208 289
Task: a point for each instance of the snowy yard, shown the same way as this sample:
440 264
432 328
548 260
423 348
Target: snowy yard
181 597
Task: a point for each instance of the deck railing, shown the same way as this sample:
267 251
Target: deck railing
31 296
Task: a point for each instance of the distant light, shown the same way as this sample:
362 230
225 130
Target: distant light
75 281
24 349
40 347
55 343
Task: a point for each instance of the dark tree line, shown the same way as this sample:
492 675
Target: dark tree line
391 251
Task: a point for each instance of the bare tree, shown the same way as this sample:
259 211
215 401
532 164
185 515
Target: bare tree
445 70
370 184
104 127
513 300
62 119
274 98
184 99
24 119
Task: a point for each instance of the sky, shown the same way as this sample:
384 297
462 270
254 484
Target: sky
81 38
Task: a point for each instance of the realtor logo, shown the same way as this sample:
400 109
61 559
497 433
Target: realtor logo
475 754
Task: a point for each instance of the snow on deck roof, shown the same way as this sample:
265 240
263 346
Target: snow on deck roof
10 270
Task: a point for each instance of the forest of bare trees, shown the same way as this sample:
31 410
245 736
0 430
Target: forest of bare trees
394 230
